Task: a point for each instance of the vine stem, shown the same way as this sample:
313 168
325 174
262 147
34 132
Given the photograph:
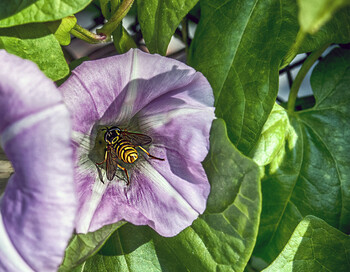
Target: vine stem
116 18
301 75
85 35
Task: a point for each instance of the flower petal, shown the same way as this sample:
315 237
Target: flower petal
114 89
151 199
39 204
157 96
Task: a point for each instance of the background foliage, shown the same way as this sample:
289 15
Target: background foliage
280 176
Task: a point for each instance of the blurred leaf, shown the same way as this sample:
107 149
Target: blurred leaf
314 13
314 177
61 29
270 146
83 246
36 43
159 20
122 40
238 46
106 8
222 239
14 13
336 30
314 246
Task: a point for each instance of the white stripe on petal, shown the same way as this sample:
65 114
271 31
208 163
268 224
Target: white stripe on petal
157 120
160 182
131 93
85 168
90 205
29 121
9 252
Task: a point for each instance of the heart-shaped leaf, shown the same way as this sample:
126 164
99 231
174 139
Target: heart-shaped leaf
314 176
314 246
238 46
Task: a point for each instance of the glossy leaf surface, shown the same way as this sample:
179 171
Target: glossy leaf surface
83 246
159 20
314 246
314 175
238 46
14 13
36 43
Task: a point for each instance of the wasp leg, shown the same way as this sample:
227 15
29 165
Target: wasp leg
99 173
126 172
102 162
149 155
98 169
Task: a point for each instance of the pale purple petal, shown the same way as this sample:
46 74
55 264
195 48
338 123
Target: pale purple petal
39 203
157 96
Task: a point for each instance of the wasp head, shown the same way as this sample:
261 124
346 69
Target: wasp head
111 134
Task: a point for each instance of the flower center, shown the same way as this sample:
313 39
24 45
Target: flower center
118 149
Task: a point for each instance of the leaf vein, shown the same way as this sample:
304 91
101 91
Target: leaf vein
335 163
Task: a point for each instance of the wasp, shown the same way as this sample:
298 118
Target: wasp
121 145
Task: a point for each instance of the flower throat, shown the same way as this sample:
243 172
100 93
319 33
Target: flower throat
121 146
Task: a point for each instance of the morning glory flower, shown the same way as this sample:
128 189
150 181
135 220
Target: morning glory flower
156 96
39 204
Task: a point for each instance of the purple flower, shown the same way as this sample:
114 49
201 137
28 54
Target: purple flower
152 95
39 204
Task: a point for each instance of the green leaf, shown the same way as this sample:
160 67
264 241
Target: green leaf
314 176
314 13
14 13
106 8
122 40
159 20
337 30
61 29
36 43
83 246
314 246
238 46
270 146
222 239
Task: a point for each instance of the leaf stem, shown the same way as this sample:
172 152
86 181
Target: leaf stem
184 31
85 35
301 75
116 18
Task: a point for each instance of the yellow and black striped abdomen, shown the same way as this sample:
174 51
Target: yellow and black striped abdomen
125 151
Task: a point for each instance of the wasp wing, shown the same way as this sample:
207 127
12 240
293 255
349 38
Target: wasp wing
111 163
136 139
